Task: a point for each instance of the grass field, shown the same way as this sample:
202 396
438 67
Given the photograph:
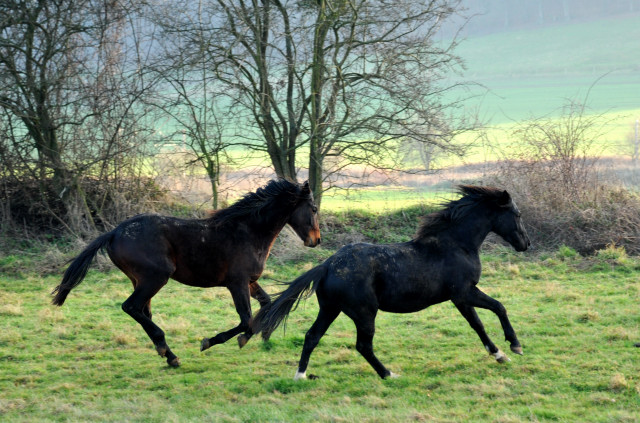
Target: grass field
532 72
577 319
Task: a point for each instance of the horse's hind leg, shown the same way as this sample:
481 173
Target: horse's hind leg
138 307
147 307
365 326
470 314
326 316
240 295
263 298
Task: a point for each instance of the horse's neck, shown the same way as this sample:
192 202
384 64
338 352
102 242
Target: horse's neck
471 232
268 228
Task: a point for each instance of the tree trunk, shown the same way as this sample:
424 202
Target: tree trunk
316 143
213 172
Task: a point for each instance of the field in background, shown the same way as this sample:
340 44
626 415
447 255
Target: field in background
532 72
577 320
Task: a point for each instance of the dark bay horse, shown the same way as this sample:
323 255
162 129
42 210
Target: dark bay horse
228 249
441 263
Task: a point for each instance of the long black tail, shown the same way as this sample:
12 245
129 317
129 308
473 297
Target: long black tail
270 317
77 270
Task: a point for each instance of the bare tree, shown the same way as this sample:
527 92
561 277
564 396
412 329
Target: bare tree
68 100
377 82
190 98
333 78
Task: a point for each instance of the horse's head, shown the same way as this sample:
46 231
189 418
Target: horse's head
304 219
508 224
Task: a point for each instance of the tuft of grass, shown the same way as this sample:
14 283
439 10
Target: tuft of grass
565 252
618 382
614 253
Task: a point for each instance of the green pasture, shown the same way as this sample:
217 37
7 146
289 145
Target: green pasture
577 319
383 199
533 72
610 135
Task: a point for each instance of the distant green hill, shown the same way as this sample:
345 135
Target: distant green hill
532 72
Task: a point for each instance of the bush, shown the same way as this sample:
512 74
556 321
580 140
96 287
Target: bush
31 209
564 197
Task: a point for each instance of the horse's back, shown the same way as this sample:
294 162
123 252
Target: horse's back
402 278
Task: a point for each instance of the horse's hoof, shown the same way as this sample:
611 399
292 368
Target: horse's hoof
174 363
242 340
637 344
501 357
517 349
204 344
392 376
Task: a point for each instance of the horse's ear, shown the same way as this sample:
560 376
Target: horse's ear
305 188
504 200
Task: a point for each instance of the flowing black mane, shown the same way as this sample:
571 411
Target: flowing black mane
455 210
253 203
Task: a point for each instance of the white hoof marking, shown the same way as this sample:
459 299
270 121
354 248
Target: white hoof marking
300 375
501 357
393 375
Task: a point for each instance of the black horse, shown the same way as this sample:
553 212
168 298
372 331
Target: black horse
228 249
441 263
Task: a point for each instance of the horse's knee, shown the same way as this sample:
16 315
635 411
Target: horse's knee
131 308
128 308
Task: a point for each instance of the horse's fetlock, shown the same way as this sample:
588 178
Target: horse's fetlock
162 349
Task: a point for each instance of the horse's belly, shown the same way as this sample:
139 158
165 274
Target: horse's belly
408 304
199 279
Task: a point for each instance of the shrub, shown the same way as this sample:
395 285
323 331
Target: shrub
564 196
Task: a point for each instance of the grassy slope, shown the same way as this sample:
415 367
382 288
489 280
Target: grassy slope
533 72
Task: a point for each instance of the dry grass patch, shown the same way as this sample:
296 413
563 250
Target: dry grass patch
11 309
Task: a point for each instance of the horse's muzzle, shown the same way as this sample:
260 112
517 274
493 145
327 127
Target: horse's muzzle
524 245
312 240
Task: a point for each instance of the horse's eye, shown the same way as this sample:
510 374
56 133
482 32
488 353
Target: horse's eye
314 209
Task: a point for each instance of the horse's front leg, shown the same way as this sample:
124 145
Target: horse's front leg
469 313
482 300
240 295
